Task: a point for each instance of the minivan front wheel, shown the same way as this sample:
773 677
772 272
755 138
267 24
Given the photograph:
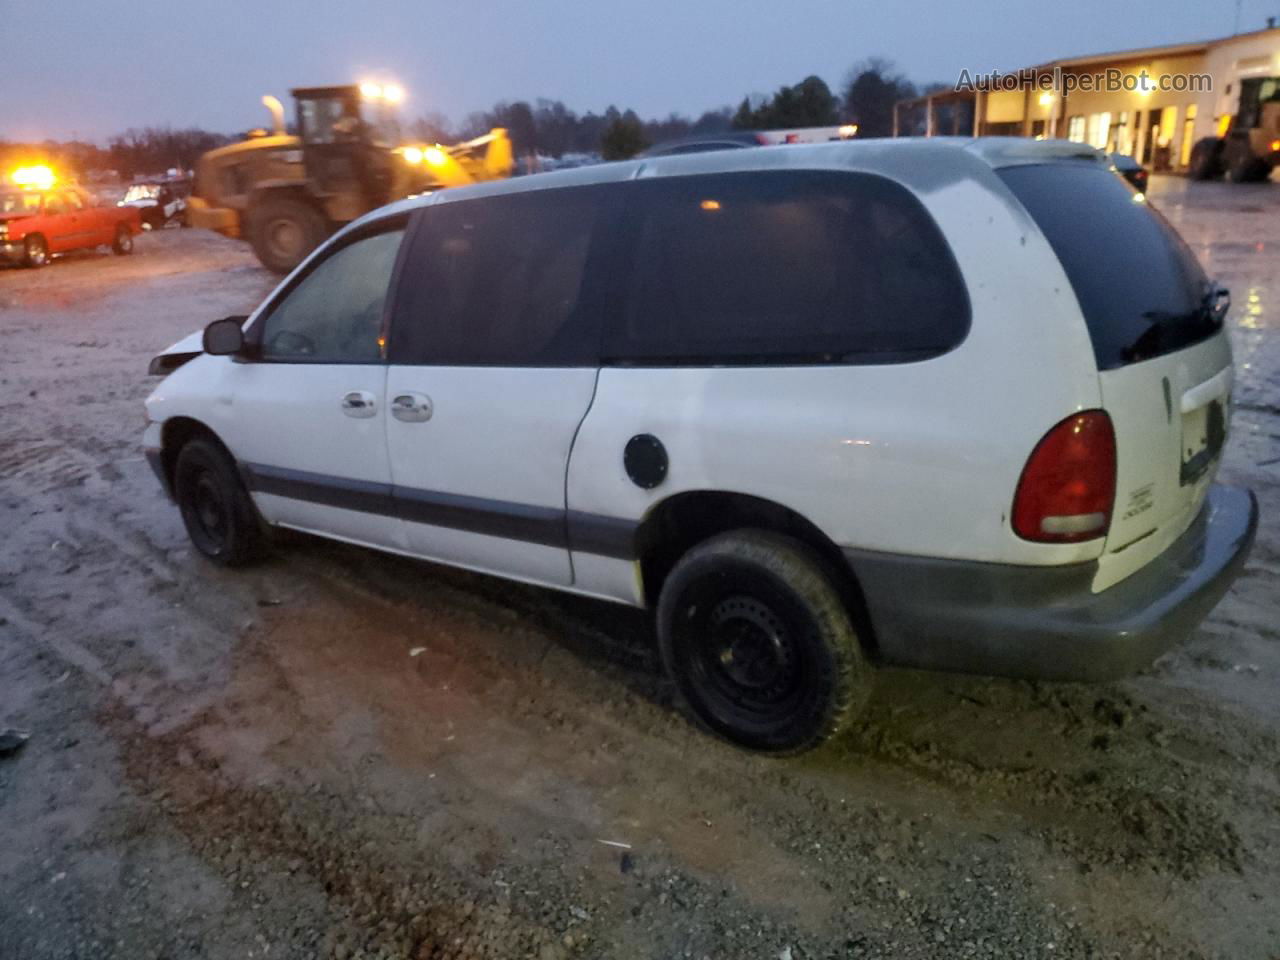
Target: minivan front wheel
757 641
216 510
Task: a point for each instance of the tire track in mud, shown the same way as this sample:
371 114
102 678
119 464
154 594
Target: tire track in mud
1091 803
511 905
45 466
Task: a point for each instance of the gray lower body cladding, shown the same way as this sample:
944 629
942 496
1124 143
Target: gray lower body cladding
1046 622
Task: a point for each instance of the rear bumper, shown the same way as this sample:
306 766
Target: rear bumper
1045 622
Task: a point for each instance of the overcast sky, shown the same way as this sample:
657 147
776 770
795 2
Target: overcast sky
95 67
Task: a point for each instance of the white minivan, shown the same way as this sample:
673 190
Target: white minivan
944 403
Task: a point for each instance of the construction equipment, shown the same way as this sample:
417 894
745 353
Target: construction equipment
285 194
1249 147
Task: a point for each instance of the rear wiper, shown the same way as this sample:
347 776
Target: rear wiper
1216 302
1150 343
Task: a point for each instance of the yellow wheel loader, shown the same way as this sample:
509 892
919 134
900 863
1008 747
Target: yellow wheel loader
285 194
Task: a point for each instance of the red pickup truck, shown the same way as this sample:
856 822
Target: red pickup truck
37 223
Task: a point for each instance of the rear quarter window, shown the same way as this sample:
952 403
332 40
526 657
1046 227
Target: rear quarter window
1139 286
784 267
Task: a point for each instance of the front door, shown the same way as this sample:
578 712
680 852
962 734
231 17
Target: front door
494 354
60 227
307 418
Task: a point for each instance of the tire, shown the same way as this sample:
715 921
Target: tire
35 252
1206 159
221 520
757 641
122 245
1246 168
283 230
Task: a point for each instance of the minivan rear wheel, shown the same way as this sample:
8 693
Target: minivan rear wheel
216 509
759 644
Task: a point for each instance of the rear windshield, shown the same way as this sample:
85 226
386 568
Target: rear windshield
1140 287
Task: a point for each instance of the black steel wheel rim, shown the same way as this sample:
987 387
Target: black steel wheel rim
208 513
743 654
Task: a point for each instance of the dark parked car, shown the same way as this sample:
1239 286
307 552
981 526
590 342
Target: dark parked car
700 143
159 202
1131 170
737 139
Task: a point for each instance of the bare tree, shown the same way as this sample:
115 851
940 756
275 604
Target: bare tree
872 88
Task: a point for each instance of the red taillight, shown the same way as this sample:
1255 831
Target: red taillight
1068 486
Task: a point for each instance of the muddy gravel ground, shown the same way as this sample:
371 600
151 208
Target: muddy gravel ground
339 754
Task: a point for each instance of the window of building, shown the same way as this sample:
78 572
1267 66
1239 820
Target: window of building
1188 135
1098 130
1121 135
1076 128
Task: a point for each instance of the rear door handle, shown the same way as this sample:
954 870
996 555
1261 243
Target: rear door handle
360 404
411 407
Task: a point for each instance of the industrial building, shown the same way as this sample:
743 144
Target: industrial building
1152 103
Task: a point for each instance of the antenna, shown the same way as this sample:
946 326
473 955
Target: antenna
1235 27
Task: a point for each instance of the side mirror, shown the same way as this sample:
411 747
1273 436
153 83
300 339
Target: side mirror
225 337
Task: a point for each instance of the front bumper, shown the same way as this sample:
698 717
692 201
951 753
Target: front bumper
1046 622
151 449
156 461
223 220
13 252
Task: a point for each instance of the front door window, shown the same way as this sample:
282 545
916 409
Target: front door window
335 314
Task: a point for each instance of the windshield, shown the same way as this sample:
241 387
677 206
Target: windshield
141 191
19 202
1141 289
329 120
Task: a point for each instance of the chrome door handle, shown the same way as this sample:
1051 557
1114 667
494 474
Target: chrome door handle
411 407
360 404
